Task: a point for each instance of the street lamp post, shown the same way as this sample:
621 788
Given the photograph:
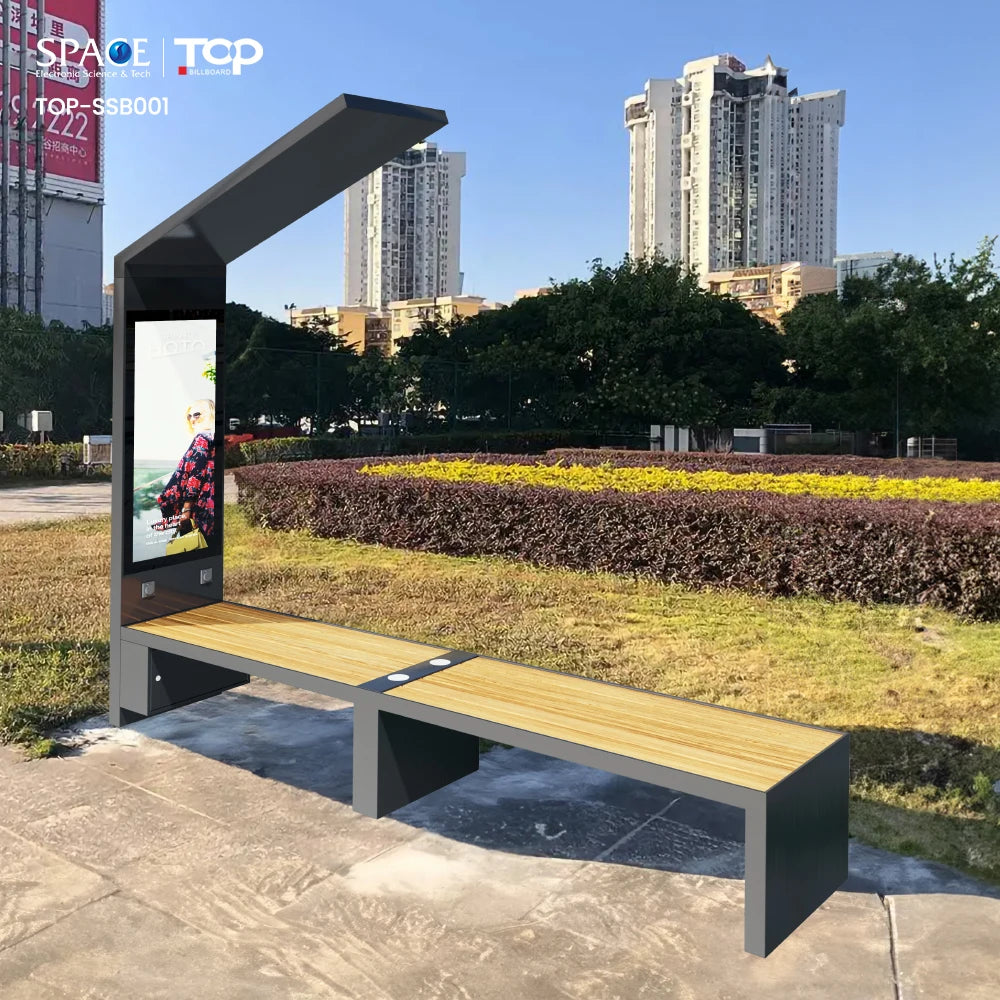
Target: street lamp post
897 411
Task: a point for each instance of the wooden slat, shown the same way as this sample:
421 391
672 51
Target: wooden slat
735 747
310 647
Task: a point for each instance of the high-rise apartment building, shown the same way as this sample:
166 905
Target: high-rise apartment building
729 168
401 229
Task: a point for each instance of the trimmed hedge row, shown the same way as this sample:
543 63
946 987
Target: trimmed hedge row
653 479
868 551
694 461
299 449
43 461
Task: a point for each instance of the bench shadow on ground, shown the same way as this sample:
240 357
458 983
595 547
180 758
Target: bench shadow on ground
518 801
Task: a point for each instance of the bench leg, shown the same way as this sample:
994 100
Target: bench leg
147 681
398 760
796 848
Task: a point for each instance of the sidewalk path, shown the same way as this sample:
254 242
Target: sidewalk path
78 498
212 853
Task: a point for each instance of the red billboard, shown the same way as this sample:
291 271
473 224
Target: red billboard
72 141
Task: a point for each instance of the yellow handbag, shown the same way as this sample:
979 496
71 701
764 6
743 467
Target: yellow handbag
187 543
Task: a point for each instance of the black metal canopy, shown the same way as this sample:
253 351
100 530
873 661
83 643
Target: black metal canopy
179 268
324 155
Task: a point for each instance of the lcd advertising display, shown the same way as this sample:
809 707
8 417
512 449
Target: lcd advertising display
173 453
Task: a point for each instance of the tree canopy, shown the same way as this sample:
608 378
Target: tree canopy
636 343
927 335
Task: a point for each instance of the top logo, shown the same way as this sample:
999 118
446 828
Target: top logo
228 57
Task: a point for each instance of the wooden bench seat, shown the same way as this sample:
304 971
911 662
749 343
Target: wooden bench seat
420 711
736 747
347 655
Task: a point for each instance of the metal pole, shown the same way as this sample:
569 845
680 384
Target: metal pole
22 161
39 166
5 168
897 410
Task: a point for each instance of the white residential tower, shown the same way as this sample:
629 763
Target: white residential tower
401 229
728 168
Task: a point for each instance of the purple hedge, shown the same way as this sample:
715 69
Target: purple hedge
943 554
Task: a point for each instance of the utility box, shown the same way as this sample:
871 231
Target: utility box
96 449
40 421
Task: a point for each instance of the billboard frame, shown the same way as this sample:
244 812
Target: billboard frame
127 450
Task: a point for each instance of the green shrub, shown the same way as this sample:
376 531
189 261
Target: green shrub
44 461
297 449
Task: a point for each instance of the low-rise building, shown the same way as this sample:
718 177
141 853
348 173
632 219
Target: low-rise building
407 314
359 326
772 290
108 303
530 293
861 265
362 327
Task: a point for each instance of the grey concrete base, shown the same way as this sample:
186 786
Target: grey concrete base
213 852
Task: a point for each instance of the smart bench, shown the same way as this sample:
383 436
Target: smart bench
419 710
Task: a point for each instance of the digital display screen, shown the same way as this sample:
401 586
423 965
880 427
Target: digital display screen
173 443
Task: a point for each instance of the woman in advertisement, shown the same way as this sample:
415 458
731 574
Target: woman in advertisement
188 500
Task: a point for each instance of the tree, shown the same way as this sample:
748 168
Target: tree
288 372
933 332
31 362
634 344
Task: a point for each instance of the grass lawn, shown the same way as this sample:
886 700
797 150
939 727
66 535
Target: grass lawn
918 689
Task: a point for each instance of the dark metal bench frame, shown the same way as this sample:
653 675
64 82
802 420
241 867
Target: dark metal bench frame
796 832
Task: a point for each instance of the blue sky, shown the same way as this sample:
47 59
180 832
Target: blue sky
534 95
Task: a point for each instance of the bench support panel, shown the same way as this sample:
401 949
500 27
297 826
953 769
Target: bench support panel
796 848
152 681
398 759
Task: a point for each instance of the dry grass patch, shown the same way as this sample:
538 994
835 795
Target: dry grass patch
918 689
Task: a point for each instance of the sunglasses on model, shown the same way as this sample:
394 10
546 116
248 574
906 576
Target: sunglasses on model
194 416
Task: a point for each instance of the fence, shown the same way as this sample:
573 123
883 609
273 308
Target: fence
932 447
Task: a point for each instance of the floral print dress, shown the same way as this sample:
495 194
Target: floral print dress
193 480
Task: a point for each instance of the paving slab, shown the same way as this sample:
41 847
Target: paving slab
38 888
947 945
217 842
121 828
120 949
687 930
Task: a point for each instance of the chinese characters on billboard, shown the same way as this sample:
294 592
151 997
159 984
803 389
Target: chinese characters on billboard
173 456
72 145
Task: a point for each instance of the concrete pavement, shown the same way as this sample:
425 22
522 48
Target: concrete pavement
66 499
212 853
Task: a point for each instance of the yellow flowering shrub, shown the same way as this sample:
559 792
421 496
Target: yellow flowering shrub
642 479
